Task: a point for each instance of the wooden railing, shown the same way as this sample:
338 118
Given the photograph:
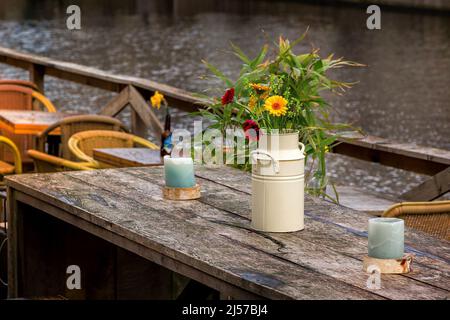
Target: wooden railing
134 92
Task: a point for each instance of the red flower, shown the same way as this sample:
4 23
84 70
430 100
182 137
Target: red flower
251 130
228 96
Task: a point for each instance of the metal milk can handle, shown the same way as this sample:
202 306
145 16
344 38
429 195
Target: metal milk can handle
276 164
302 147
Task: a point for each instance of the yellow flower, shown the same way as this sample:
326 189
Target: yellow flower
276 105
264 95
156 100
259 87
252 102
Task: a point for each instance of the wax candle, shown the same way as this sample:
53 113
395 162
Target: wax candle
179 172
386 238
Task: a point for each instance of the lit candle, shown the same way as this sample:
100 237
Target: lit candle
179 172
386 238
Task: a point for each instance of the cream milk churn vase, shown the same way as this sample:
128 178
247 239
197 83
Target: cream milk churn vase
278 183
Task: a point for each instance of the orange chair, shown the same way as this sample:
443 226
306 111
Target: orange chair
13 97
22 83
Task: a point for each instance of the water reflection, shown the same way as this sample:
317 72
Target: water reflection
403 93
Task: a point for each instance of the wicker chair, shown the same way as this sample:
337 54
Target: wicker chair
82 144
74 124
13 97
46 163
16 97
430 217
22 83
6 168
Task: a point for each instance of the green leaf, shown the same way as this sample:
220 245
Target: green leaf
218 74
240 54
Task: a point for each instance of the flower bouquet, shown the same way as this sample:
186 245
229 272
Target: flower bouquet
280 91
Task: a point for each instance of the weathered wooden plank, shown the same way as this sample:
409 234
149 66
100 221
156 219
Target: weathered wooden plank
202 215
142 116
138 126
323 236
136 247
186 240
128 157
117 104
15 62
346 230
96 78
37 73
430 189
144 112
14 226
396 156
328 234
415 241
142 190
346 218
405 149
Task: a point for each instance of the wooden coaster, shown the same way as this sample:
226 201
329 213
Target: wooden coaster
182 193
393 266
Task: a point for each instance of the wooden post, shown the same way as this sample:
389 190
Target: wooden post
37 73
144 112
117 104
142 117
13 226
138 126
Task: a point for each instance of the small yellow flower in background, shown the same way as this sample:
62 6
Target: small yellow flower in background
156 100
327 149
259 87
276 105
252 102
264 95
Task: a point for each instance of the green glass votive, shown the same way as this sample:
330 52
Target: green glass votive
179 172
386 238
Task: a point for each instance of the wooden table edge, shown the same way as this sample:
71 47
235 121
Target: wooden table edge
25 195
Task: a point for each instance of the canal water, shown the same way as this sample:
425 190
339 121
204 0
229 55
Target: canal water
402 94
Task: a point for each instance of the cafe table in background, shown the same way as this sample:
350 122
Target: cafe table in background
21 125
127 157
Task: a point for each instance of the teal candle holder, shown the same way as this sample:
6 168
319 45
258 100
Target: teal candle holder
386 238
179 172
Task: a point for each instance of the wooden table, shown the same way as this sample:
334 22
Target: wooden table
21 125
116 226
29 122
128 157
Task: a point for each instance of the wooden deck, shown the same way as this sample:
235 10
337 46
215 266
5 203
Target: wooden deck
208 240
